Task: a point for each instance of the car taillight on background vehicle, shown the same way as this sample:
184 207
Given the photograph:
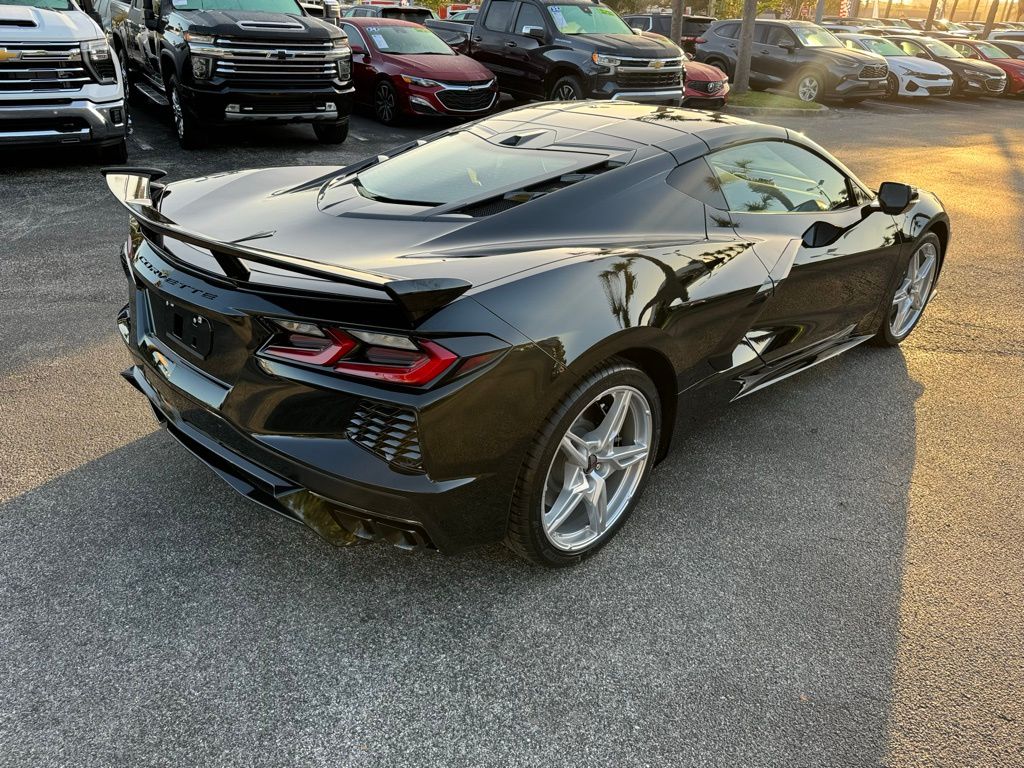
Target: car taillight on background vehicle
384 357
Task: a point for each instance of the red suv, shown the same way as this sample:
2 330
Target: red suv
400 68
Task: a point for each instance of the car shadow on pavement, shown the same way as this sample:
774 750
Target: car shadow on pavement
746 615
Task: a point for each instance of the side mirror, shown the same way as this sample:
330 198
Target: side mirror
537 33
637 30
788 47
894 198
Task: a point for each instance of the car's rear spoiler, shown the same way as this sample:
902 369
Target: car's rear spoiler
418 297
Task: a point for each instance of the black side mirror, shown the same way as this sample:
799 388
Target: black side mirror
787 46
894 198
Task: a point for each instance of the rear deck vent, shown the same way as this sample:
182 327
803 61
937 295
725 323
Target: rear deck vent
501 203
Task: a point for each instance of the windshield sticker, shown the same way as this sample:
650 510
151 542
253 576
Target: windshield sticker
179 3
558 16
380 41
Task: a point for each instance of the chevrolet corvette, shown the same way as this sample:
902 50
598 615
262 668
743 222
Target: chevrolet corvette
488 334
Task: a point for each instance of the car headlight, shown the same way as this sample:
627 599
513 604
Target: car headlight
100 60
605 61
193 38
422 82
345 68
914 73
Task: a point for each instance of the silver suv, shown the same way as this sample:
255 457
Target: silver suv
59 81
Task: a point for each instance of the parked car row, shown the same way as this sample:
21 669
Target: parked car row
817 65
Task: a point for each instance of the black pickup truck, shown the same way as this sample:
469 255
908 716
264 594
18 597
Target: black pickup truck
241 61
562 51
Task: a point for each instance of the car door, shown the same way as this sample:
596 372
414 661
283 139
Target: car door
832 265
523 52
773 55
491 42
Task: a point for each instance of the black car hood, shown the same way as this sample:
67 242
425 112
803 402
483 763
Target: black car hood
279 210
966 65
256 25
626 45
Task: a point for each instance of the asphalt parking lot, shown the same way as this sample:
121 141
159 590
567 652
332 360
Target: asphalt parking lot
828 573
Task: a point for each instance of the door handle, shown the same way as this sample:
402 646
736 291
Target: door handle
510 44
477 38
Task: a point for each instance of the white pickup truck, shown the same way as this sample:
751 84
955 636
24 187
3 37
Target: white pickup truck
59 81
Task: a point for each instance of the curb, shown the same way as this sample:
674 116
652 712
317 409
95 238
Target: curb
777 111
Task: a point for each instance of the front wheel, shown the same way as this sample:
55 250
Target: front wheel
892 86
331 133
566 88
587 467
912 292
809 87
385 103
186 125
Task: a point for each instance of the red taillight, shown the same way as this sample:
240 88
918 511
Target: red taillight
382 357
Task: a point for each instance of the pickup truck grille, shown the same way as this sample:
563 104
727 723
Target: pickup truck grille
42 67
266 62
874 72
651 79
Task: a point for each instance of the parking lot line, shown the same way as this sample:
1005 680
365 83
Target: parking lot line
897 107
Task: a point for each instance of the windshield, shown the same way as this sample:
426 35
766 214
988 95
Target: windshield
897 23
940 49
267 6
587 19
880 46
816 37
53 5
990 51
400 39
463 166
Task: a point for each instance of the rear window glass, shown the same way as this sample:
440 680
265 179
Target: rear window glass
461 167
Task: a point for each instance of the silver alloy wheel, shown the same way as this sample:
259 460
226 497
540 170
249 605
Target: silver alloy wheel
892 86
385 103
179 117
911 297
566 92
807 89
597 468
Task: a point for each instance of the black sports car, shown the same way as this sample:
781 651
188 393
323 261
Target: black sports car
487 335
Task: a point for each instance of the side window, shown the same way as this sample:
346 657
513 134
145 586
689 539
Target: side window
966 50
779 36
729 30
778 177
528 16
911 49
851 44
499 14
355 38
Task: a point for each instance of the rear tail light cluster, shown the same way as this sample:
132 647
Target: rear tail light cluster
383 357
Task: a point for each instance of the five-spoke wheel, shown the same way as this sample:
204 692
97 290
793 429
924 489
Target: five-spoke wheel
912 292
587 467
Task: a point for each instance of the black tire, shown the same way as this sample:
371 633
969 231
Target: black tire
525 535
331 133
385 103
115 154
130 94
722 65
186 125
566 88
892 87
886 336
809 76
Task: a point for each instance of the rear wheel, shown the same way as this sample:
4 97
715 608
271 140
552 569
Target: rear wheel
566 88
912 293
331 133
586 469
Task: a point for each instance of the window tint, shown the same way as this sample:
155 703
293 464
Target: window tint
779 36
778 177
529 16
499 13
355 37
966 51
729 30
911 49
